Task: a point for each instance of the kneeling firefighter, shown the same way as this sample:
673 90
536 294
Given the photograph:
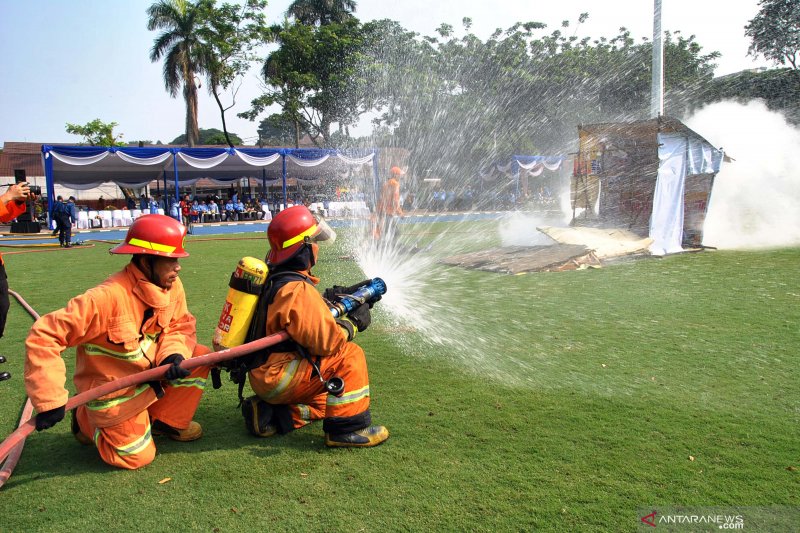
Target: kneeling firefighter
320 374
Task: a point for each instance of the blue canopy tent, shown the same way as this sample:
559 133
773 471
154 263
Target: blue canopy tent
86 167
533 164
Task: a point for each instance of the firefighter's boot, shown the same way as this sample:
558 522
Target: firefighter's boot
363 438
193 432
258 417
76 431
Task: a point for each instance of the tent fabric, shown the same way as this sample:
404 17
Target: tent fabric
533 164
86 167
679 155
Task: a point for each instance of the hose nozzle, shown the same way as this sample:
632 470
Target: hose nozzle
365 294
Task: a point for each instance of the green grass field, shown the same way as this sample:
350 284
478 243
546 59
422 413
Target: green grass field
572 401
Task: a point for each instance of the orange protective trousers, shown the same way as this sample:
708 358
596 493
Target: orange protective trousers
286 377
129 444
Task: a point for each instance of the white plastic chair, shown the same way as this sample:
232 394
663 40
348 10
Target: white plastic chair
83 220
267 215
106 218
116 218
160 211
136 213
127 217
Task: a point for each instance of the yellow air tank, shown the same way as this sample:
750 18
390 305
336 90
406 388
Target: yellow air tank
240 303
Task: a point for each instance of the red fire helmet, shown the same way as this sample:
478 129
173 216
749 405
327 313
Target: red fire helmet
154 235
287 232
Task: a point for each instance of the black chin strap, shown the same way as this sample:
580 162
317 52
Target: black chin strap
151 263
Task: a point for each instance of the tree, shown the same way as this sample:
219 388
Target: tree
321 12
478 101
316 77
775 32
275 130
229 34
211 136
97 133
180 46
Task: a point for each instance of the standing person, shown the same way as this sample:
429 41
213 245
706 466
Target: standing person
186 207
135 320
12 205
388 209
72 215
63 216
289 393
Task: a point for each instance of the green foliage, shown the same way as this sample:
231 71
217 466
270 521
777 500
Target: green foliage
211 136
778 88
311 12
611 398
315 76
275 130
97 133
775 32
180 46
229 35
479 102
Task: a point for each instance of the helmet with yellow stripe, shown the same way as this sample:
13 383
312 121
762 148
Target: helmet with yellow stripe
288 231
154 235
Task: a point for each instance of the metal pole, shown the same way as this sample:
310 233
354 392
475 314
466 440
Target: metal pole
657 86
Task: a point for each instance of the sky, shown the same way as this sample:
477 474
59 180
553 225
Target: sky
76 61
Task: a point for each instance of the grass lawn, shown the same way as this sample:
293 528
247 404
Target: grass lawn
572 401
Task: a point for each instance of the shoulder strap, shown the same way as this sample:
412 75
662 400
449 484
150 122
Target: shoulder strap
258 328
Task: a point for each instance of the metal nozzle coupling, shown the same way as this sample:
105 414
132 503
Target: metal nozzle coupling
366 294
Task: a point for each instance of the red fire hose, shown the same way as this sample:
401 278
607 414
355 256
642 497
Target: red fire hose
11 448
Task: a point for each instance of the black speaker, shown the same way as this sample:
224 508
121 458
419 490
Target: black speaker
27 216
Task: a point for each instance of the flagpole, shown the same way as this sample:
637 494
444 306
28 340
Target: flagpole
657 86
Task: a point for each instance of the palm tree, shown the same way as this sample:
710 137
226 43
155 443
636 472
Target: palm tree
321 11
182 51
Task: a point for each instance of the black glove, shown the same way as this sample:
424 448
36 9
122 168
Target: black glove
174 371
360 316
48 419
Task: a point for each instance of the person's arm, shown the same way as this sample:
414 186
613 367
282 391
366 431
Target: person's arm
50 335
12 202
308 320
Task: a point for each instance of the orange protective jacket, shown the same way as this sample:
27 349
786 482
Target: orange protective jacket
121 327
9 211
389 203
302 312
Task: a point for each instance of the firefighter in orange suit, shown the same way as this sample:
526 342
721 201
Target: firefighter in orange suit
289 393
12 205
135 320
389 209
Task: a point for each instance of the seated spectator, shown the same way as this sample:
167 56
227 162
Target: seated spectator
240 210
213 211
202 209
193 211
230 211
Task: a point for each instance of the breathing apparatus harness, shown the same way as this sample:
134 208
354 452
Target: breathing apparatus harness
238 368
